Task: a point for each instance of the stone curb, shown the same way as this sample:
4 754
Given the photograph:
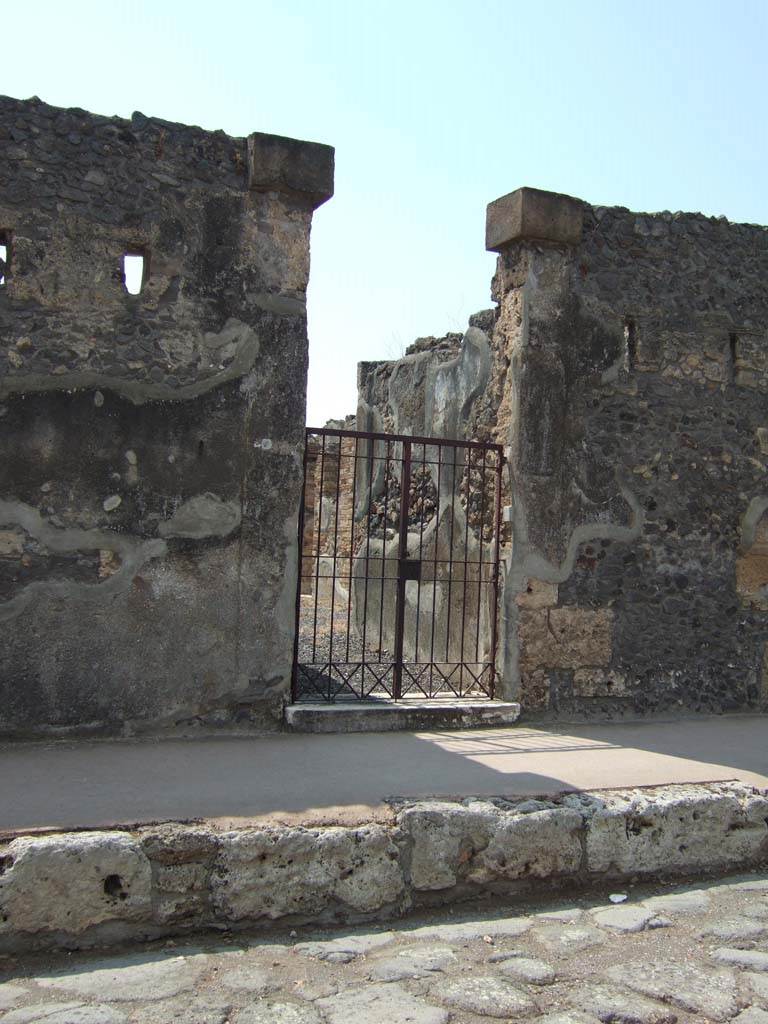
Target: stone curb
80 889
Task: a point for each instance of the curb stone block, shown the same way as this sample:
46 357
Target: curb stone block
675 828
273 872
72 881
535 845
88 888
480 843
445 836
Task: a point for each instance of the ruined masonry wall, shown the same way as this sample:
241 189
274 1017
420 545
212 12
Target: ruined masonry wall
625 370
637 418
151 443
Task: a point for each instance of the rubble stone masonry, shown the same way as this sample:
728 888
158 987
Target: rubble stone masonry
151 443
625 370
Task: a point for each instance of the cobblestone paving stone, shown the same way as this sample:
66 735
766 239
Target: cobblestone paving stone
668 955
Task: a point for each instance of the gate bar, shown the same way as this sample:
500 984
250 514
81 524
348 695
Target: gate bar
402 554
411 438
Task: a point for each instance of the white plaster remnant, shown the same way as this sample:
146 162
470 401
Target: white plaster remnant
205 515
112 502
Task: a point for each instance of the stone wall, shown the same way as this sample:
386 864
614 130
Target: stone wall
151 442
625 370
639 361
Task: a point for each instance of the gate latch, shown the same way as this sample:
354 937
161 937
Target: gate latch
410 569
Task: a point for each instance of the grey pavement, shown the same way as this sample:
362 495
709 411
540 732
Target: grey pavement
345 778
652 959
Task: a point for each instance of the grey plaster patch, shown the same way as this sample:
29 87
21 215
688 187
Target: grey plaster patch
205 515
690 988
134 554
487 996
453 386
385 1002
614 1006
754 513
753 959
135 976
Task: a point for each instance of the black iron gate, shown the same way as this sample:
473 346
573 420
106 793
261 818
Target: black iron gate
399 567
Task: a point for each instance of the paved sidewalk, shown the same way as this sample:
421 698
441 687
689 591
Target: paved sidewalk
662 957
346 778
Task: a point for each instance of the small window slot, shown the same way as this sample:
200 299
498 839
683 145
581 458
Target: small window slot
5 256
733 356
134 272
630 344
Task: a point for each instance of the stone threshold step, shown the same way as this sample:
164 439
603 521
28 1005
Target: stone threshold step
390 716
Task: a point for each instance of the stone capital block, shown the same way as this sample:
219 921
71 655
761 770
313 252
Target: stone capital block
529 214
302 169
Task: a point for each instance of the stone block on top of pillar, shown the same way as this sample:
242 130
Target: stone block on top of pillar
530 214
296 168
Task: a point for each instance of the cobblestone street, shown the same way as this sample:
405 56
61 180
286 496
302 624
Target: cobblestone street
663 955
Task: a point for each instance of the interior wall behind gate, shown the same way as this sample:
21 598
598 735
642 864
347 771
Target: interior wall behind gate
151 443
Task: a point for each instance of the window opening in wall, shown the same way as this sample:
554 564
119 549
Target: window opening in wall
733 355
4 256
630 344
134 272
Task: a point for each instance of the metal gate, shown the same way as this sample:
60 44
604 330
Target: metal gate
399 568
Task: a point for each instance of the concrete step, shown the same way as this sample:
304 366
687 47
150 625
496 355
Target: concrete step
390 716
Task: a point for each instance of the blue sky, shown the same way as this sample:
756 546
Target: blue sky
435 107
